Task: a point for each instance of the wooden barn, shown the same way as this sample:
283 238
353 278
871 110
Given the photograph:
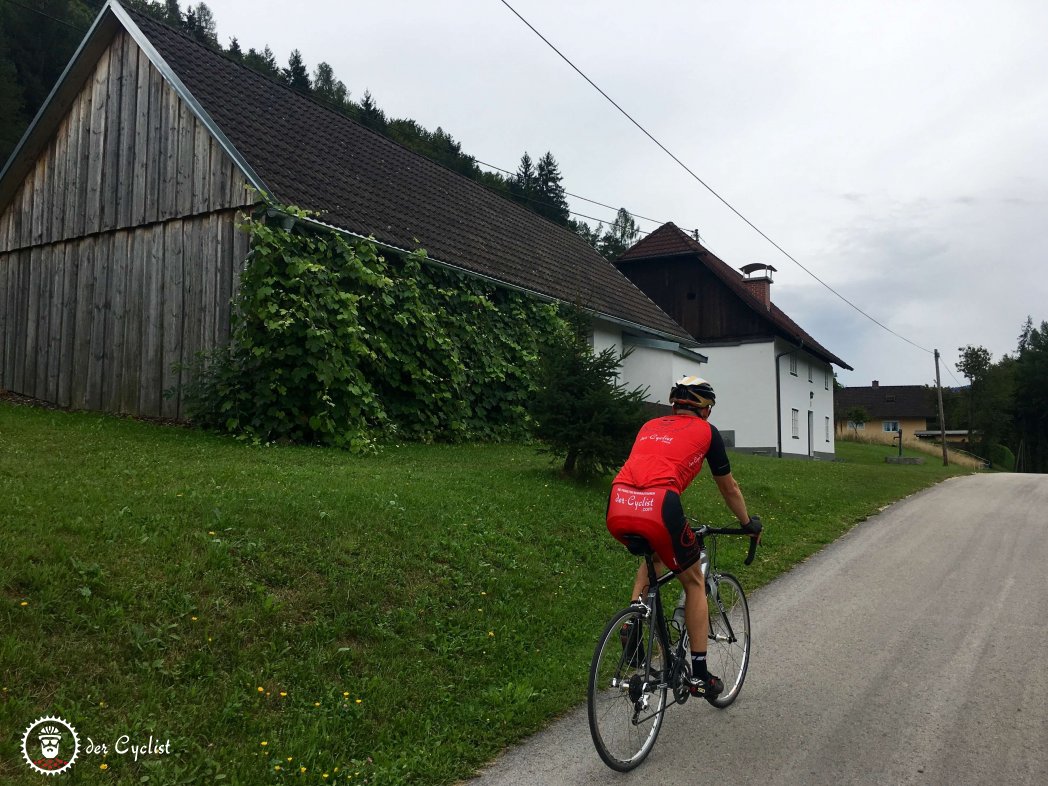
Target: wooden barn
119 247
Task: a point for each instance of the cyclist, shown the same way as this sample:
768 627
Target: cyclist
645 500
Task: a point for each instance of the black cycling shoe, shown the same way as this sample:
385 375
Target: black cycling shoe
709 688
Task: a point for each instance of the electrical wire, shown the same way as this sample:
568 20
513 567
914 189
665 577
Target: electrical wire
53 18
703 183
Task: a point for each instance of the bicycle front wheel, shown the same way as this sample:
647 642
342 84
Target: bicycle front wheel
729 643
627 690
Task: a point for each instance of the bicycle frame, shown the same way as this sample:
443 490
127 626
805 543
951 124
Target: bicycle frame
652 603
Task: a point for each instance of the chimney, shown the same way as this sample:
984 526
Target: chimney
876 384
757 279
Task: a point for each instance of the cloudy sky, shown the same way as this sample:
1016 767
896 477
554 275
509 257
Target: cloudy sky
896 149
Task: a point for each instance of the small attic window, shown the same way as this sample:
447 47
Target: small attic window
890 398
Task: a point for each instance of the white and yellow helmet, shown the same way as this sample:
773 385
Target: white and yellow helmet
694 392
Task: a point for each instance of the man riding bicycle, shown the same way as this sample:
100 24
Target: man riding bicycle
667 455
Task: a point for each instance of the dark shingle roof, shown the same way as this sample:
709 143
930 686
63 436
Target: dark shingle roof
669 240
888 401
311 156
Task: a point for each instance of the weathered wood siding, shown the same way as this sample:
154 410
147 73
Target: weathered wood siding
696 298
119 253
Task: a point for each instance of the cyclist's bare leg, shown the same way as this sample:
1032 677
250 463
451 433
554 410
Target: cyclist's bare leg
696 614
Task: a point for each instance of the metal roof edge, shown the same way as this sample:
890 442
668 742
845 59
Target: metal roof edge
186 95
24 153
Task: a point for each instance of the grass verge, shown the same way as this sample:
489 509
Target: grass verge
290 614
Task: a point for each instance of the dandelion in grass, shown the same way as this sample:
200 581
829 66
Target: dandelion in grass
359 701
345 694
24 603
277 767
264 743
261 689
283 694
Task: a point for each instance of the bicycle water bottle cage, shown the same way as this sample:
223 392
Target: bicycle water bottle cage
638 545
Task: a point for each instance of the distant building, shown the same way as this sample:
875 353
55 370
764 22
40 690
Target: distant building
888 408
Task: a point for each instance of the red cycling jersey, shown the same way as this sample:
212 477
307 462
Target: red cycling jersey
668 453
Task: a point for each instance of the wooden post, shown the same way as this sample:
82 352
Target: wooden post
942 419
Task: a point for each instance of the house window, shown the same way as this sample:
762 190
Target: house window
826 380
796 423
827 429
890 425
857 426
793 366
809 373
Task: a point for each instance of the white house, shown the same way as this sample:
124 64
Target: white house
774 381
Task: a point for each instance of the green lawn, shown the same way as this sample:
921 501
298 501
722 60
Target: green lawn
283 614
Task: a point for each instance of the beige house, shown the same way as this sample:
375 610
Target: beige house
889 408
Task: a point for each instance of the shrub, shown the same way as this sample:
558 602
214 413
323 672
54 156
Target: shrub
580 411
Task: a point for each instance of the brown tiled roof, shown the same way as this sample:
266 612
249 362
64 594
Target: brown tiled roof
888 401
669 241
311 156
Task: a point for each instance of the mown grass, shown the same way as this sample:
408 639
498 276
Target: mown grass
289 614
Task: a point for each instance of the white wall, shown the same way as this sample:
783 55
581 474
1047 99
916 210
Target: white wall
744 378
654 368
816 396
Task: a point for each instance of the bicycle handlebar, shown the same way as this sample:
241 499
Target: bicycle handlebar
753 529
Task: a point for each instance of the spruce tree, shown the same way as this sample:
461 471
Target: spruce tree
522 185
549 192
296 75
580 411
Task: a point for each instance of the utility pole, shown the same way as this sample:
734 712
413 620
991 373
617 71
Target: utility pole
942 419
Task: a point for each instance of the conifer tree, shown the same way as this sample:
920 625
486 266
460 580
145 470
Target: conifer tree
296 75
522 184
264 62
580 411
549 192
235 51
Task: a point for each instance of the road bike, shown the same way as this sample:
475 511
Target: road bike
642 657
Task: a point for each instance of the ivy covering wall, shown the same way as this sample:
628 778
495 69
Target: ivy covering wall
334 343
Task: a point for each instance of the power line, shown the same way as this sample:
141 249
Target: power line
703 183
53 18
575 196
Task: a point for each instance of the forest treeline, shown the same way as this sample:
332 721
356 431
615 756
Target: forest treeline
36 44
1005 405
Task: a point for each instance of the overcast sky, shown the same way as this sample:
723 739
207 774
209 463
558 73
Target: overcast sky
898 150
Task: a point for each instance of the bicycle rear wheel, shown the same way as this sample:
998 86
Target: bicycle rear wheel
627 691
729 643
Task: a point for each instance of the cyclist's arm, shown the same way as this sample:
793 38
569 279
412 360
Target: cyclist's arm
717 460
732 494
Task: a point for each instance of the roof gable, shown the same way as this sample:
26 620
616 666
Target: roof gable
303 153
669 241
